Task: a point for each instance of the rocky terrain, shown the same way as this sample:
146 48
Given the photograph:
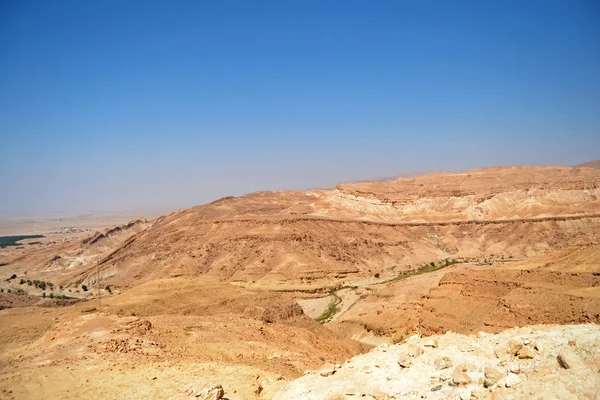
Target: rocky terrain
239 297
539 362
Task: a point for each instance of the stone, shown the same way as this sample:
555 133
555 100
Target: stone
442 363
336 397
501 351
526 367
492 376
525 353
572 343
466 348
464 394
512 380
404 360
206 391
514 367
436 388
327 369
514 345
568 359
414 350
460 376
430 342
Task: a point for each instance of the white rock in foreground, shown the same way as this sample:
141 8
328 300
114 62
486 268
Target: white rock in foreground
513 373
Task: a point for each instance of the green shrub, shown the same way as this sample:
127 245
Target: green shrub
84 287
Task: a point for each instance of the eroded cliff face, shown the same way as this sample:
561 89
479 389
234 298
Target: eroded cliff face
558 362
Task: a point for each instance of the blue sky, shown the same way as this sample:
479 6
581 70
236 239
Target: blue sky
138 105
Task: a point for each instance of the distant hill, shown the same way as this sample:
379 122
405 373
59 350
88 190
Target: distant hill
590 164
387 178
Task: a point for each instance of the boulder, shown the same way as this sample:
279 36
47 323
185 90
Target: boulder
442 363
514 345
413 350
327 369
526 353
512 380
492 376
460 376
430 342
201 391
404 360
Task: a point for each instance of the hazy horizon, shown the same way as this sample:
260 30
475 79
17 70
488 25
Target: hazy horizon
160 106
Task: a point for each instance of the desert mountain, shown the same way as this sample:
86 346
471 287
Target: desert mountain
590 164
322 238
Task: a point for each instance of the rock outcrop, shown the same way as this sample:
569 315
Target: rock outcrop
543 361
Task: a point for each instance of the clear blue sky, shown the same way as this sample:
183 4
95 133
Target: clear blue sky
125 105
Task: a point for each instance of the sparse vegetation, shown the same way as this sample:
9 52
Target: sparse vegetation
424 268
41 284
332 308
108 289
13 276
84 287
